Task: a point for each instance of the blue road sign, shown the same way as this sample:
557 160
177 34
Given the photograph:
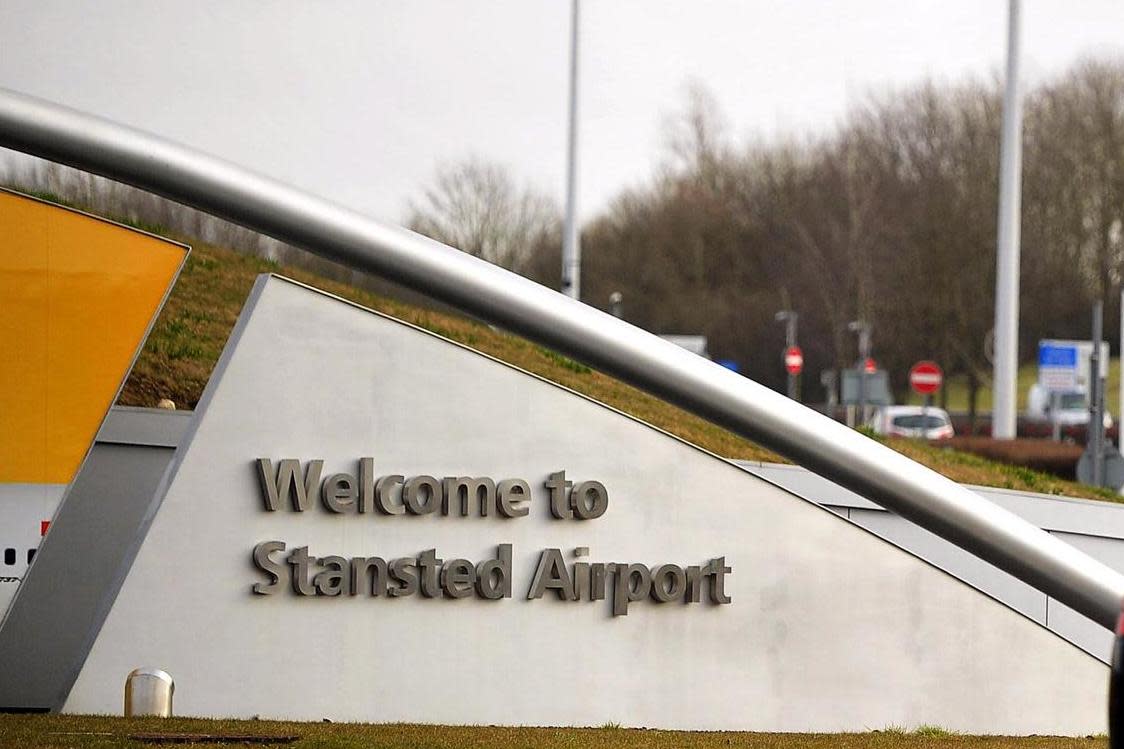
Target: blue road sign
1057 357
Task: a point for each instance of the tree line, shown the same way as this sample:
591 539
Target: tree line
890 219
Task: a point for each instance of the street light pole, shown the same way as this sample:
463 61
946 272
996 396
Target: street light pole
789 318
1003 415
863 329
616 305
571 237
1094 435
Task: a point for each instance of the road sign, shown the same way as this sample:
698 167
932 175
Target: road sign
876 387
870 366
1064 364
1057 365
1113 474
793 360
925 377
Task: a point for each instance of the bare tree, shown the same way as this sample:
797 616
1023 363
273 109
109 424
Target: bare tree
477 207
695 136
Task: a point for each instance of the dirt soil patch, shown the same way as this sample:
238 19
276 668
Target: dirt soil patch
79 732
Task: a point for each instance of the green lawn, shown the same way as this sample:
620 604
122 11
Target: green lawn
59 732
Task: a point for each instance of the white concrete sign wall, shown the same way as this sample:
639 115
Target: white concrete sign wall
828 628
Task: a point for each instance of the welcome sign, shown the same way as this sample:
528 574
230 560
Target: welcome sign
344 493
402 526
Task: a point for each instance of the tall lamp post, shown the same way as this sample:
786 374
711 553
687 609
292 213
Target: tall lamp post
616 304
1003 415
571 238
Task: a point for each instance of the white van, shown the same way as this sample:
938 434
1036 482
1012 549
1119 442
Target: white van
1072 407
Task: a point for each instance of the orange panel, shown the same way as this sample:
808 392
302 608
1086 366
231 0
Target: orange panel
77 296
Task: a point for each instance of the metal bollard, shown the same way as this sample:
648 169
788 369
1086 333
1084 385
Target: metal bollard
148 691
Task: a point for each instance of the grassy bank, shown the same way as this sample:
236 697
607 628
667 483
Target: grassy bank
190 333
57 732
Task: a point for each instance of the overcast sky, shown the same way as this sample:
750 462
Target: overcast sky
360 101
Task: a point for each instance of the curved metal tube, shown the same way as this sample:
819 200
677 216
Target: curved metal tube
224 189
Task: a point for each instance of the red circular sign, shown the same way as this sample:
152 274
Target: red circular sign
793 360
926 377
869 366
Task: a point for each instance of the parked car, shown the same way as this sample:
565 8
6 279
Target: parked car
912 421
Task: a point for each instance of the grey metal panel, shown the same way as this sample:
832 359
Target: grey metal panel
155 427
707 389
1053 513
1079 630
1076 516
803 482
67 592
1072 625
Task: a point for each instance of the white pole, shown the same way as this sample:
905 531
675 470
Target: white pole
1003 415
571 237
1120 385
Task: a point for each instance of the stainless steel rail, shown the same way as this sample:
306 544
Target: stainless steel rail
224 189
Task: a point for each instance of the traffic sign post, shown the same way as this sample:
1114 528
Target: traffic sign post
793 360
926 378
865 364
794 365
793 356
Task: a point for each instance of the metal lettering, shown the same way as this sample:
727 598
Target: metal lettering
457 578
511 496
559 495
581 575
383 489
287 481
493 576
624 591
418 502
662 591
696 579
268 566
332 581
404 572
338 492
298 575
551 574
428 567
596 506
366 484
375 569
718 570
468 490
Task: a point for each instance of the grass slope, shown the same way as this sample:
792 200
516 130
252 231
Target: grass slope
80 732
190 333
